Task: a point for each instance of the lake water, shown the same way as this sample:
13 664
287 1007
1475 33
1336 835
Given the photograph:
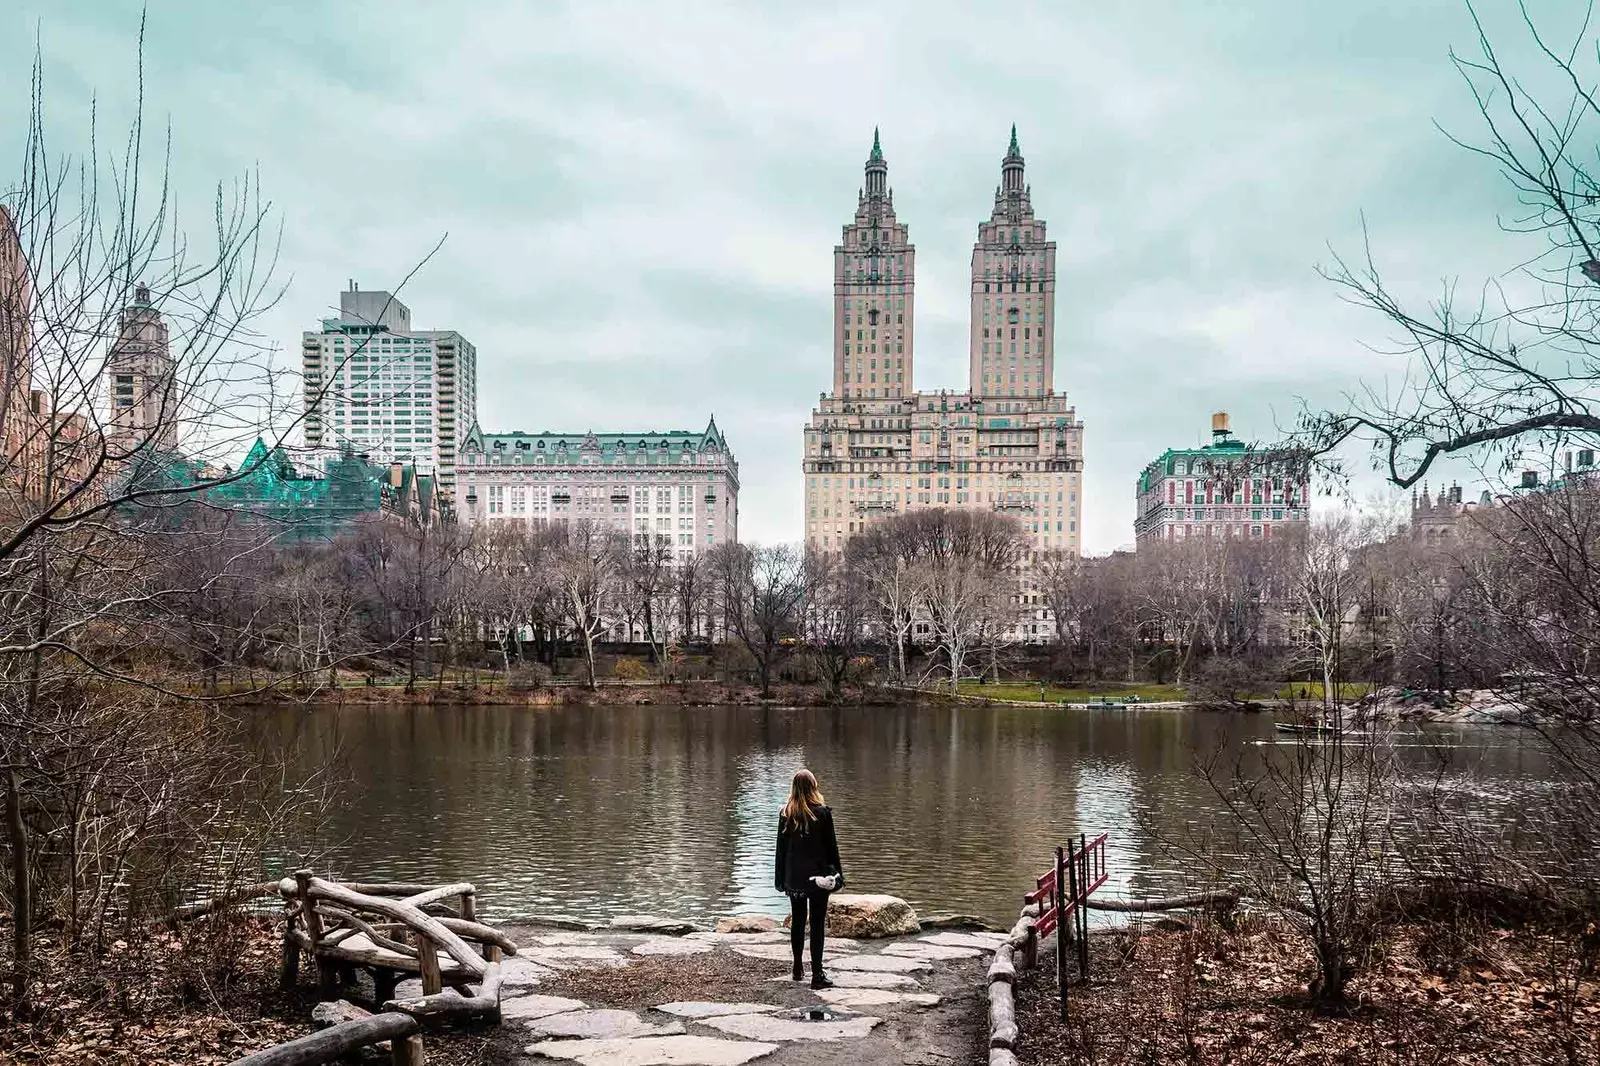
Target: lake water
593 812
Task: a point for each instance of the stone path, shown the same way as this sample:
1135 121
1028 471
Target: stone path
903 1000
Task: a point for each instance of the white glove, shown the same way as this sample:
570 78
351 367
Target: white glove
827 884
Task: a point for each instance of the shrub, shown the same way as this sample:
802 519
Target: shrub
630 670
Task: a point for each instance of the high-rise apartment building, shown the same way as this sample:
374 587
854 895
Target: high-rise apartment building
1224 489
145 415
1009 443
391 392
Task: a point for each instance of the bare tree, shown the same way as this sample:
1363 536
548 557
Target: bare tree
835 616
1513 367
883 557
762 592
588 584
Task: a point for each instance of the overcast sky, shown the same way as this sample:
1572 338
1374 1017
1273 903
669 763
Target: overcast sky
641 200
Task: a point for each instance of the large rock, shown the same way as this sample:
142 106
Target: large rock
870 916
746 923
336 1012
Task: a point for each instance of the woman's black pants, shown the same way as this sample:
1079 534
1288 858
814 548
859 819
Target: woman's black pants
800 903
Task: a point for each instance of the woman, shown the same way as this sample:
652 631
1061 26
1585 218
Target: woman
807 868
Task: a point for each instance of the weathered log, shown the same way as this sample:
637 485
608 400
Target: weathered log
1002 968
330 1044
1002 1016
478 931
484 1005
434 895
357 925
1220 900
191 911
408 1052
403 911
1019 932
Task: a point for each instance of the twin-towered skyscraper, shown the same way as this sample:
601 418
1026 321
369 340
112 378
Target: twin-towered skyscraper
1009 443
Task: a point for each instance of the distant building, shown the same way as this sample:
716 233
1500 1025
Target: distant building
1437 519
389 391
681 484
141 383
316 502
1010 443
1223 489
44 452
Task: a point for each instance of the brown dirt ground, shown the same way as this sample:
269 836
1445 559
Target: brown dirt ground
1206 996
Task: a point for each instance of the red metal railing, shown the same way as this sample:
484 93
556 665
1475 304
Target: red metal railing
1089 875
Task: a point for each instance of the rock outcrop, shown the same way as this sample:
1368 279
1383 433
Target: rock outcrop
869 917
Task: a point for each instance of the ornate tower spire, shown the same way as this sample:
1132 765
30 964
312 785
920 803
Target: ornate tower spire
1011 168
877 170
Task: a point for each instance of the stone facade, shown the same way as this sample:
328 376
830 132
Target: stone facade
1223 489
144 413
391 392
1010 443
682 484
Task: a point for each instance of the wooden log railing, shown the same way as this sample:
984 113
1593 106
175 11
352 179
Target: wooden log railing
402 1031
405 927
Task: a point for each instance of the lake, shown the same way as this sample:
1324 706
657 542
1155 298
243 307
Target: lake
592 812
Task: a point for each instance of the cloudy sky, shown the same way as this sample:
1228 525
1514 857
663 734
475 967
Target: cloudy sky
641 199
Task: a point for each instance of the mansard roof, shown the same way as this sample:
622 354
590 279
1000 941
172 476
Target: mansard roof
589 442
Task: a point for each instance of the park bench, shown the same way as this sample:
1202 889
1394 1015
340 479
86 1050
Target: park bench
392 930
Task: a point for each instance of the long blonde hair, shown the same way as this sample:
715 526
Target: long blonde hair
804 799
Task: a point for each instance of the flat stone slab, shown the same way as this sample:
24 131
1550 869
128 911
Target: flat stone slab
653 1051
772 1027
515 972
573 956
524 1008
746 923
875 997
601 1025
880 964
932 952
784 953
707 1009
981 941
550 940
672 945
773 936
649 923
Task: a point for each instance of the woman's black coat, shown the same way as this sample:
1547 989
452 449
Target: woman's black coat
805 852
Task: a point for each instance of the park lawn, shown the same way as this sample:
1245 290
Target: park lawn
1028 691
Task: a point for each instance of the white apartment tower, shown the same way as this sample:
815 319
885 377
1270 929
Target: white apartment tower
393 393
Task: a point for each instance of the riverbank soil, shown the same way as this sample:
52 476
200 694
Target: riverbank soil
1204 995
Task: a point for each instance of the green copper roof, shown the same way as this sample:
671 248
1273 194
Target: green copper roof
565 447
1014 150
877 150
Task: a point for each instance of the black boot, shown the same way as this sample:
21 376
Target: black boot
820 979
799 971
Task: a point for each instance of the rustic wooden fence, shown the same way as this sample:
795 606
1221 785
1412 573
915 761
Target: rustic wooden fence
392 930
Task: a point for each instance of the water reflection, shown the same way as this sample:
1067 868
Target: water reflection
593 812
